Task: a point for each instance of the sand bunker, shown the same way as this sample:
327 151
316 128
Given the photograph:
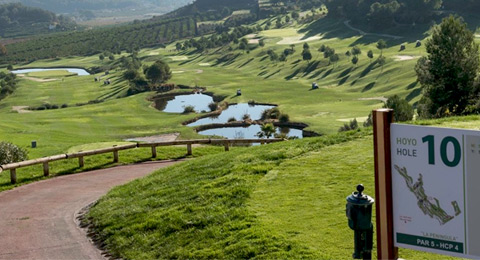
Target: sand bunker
178 71
298 39
205 64
383 99
155 138
253 41
35 79
178 58
199 71
404 57
153 53
359 119
21 109
251 36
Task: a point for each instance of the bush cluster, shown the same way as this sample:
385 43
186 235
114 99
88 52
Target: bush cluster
10 153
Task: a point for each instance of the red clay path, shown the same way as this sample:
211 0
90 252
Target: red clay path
37 221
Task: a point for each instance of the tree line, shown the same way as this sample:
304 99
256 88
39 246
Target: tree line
19 20
121 38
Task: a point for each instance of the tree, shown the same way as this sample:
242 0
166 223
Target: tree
381 44
10 153
261 43
402 110
449 72
266 131
3 50
292 46
273 56
101 56
178 46
159 72
307 55
306 46
356 51
381 61
334 58
328 52
355 60
370 55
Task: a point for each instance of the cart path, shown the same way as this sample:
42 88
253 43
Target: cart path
38 220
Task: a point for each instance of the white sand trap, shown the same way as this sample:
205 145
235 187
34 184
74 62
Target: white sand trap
359 119
206 64
404 57
383 99
253 41
298 39
21 109
251 36
199 71
153 53
155 138
178 71
178 58
320 114
35 79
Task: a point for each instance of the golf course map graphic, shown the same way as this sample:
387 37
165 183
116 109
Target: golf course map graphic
429 206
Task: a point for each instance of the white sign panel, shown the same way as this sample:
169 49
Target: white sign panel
436 179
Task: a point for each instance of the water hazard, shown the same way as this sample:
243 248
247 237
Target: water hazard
178 103
236 111
79 72
248 132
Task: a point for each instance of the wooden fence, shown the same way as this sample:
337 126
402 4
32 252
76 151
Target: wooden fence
80 155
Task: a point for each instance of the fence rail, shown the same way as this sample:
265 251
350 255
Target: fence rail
80 155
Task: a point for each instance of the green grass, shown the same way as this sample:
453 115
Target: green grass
284 200
341 96
50 74
63 167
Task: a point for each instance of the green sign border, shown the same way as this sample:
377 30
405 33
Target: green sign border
432 243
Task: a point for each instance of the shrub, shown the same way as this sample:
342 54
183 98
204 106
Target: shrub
64 106
189 109
369 121
213 106
231 119
403 111
10 153
284 118
246 116
349 126
272 113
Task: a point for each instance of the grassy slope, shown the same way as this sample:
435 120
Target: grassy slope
284 83
277 201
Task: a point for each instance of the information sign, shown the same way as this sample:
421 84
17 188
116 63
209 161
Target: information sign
435 189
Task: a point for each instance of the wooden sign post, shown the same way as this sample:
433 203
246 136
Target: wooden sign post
382 118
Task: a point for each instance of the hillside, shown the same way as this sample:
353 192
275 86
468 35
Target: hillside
72 6
19 20
284 200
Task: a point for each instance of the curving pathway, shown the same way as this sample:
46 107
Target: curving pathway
38 220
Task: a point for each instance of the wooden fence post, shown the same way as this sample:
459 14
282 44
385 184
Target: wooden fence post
13 176
189 149
81 162
115 156
46 170
154 152
227 147
382 118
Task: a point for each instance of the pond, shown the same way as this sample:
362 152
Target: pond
178 103
79 72
248 132
237 111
